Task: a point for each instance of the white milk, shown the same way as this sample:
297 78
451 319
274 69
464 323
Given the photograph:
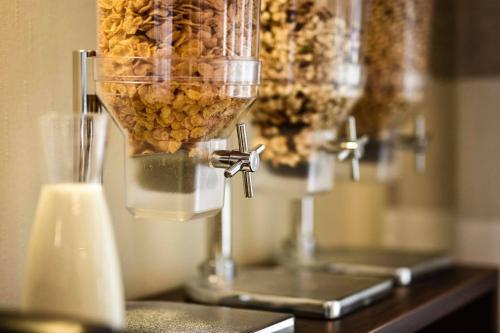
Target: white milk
72 266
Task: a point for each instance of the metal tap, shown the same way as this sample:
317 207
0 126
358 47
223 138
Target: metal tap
350 148
418 143
244 160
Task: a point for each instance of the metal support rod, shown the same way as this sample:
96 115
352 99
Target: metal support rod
85 102
303 241
84 96
220 262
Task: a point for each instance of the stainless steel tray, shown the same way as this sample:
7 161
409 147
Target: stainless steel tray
301 292
160 317
406 267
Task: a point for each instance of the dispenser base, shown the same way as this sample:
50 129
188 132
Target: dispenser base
159 317
405 267
301 292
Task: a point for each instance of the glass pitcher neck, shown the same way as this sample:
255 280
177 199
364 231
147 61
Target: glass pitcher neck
74 147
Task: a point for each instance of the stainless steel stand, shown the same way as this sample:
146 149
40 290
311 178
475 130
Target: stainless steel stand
301 292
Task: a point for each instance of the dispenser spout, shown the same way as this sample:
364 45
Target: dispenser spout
242 160
418 143
351 147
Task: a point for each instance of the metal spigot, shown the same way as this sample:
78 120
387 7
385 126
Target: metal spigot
350 148
418 143
244 160
421 143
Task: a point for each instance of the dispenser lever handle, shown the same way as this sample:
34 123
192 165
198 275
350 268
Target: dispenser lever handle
357 152
244 160
421 144
253 159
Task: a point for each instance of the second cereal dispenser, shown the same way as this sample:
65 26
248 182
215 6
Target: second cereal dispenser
176 76
299 105
306 91
311 78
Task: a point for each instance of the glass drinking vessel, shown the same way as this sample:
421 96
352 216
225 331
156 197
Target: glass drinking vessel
72 264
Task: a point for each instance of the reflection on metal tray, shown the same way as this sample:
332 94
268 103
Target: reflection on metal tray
404 266
159 317
301 292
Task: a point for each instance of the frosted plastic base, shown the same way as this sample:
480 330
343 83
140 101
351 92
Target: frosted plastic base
175 187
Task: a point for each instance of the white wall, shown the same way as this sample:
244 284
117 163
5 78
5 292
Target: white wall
478 181
37 37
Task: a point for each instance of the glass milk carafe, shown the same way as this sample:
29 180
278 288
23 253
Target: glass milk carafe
72 265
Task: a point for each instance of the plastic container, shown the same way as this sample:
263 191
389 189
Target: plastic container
352 84
299 100
395 43
176 76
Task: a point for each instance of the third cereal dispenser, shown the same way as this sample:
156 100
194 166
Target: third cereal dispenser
395 44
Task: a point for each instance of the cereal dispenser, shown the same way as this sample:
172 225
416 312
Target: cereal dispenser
310 76
300 102
300 111
396 46
176 76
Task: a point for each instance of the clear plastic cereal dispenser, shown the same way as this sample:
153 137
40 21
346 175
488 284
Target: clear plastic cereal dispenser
176 76
395 43
299 105
299 110
396 47
311 77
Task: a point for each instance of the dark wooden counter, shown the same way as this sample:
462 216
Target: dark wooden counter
463 299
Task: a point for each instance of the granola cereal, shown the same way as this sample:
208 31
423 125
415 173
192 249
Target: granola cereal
396 54
175 72
301 51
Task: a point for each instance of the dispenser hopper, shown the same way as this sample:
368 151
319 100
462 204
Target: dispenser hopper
176 76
